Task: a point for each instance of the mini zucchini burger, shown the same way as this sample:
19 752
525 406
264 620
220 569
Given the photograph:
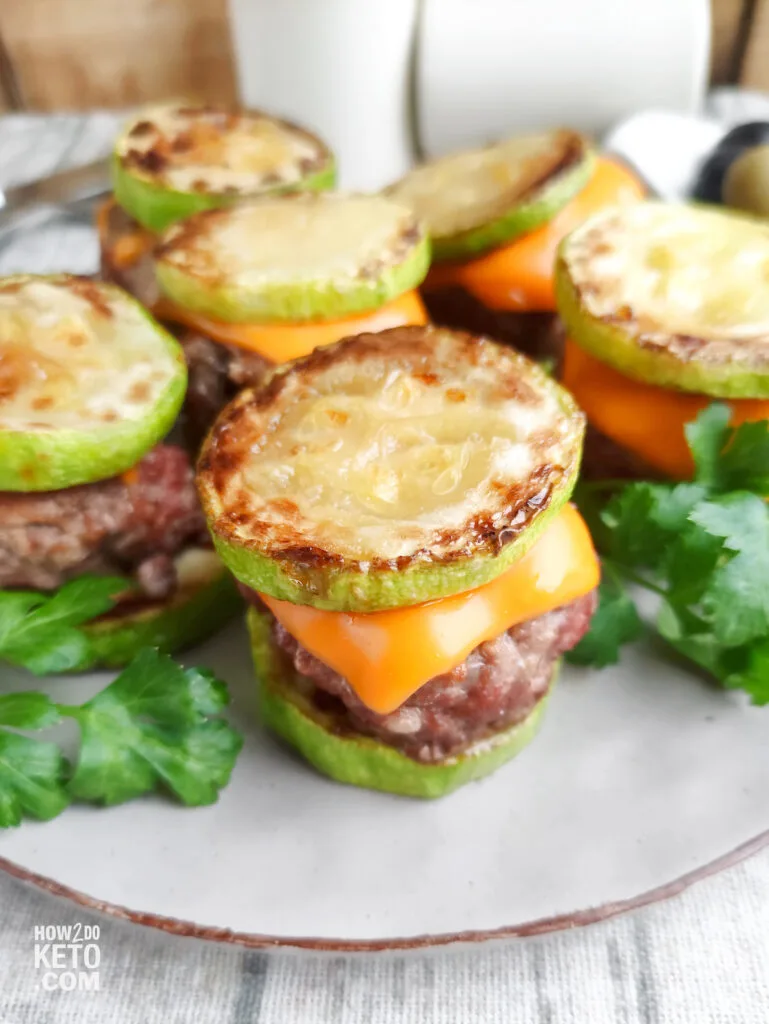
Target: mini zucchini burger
395 509
667 310
272 280
89 387
174 160
171 161
496 216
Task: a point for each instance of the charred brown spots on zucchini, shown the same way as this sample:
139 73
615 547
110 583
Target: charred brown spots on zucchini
168 136
569 152
183 236
141 128
482 471
671 294
150 160
182 143
91 292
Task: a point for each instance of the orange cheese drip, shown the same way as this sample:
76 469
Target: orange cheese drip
281 342
643 418
519 276
129 247
130 477
386 656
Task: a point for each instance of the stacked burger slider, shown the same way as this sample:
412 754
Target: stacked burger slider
395 507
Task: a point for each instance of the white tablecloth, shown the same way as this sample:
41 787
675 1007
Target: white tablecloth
702 958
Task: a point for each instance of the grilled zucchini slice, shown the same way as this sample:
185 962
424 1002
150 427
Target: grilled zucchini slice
477 200
89 382
206 600
389 469
295 258
174 160
360 760
673 295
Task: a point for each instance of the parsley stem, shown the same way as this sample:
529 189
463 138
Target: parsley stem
618 572
68 710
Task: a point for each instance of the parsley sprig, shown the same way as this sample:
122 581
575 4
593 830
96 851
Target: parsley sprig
701 547
41 633
157 726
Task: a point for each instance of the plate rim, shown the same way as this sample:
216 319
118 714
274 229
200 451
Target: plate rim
523 930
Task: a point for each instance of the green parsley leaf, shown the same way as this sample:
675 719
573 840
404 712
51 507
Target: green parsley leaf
691 636
737 594
31 779
707 436
688 563
644 519
154 725
31 772
753 675
28 711
745 461
633 537
616 622
727 458
703 549
41 634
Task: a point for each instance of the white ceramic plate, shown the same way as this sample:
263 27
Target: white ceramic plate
642 774
643 779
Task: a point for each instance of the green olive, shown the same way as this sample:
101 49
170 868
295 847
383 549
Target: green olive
746 185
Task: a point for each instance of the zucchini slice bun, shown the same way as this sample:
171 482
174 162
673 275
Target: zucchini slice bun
667 310
256 285
395 507
89 387
173 160
496 215
272 280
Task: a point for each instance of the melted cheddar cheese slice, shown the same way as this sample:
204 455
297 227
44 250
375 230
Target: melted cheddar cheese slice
643 418
387 656
519 276
279 343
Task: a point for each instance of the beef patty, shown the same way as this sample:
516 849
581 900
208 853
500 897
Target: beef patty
495 687
134 524
216 373
538 335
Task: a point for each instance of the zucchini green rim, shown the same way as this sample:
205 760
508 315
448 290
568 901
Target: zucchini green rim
517 207
265 262
140 181
190 617
623 335
44 445
358 760
285 557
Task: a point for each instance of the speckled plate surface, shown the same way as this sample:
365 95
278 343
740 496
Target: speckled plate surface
642 774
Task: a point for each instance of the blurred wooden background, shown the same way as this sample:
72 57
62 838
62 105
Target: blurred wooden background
75 54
